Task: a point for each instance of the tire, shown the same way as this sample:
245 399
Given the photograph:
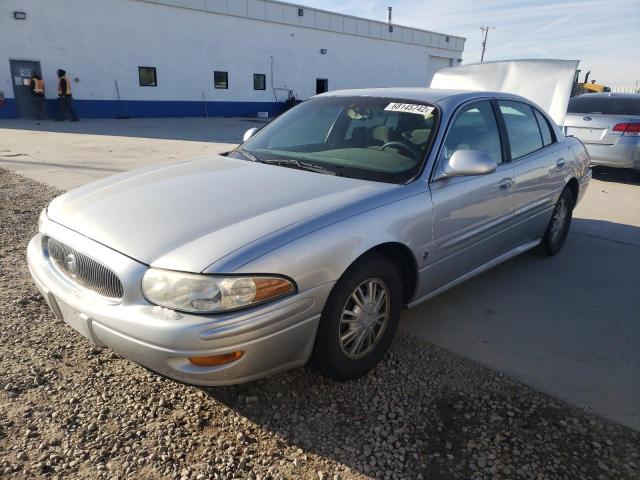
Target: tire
558 228
335 351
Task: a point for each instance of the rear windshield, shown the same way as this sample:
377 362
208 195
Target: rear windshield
589 103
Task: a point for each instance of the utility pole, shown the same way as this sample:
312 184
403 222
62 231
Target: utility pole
485 30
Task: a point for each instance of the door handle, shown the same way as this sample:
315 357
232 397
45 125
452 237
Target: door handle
505 184
560 163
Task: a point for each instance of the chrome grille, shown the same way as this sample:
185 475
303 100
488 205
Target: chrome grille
83 270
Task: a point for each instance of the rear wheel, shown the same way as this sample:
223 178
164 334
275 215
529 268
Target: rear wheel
359 320
558 228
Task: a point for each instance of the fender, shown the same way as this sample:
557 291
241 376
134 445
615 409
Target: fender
321 256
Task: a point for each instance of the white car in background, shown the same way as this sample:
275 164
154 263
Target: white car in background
609 126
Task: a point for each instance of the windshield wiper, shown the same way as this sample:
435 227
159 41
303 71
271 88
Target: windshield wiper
248 155
297 164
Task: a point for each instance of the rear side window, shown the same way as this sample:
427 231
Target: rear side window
545 129
606 105
475 128
522 128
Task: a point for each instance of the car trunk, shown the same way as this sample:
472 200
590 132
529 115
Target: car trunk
547 82
595 128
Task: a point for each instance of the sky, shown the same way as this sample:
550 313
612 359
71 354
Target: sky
603 34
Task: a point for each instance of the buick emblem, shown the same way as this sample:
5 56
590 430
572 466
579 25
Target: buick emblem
71 263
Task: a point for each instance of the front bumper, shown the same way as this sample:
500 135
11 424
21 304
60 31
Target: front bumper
274 337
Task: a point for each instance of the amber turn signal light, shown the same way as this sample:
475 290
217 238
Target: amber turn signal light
215 360
271 288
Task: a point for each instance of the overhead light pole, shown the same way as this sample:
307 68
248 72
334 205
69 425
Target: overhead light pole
485 31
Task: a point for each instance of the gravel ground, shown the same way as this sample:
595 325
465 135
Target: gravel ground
70 410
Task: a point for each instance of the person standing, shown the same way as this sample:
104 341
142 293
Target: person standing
37 90
65 102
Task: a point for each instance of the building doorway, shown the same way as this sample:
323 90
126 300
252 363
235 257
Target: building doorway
322 85
435 65
21 71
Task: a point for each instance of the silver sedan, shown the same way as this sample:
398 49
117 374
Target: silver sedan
306 242
609 126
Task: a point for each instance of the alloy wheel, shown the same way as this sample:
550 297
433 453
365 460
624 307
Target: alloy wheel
559 220
364 318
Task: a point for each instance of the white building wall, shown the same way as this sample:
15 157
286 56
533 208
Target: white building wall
99 42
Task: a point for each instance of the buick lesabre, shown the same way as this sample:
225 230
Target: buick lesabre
306 241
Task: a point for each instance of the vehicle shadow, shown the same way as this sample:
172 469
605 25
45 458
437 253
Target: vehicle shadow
608 231
196 129
400 418
410 402
617 175
566 325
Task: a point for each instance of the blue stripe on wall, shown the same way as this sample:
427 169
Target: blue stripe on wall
8 110
142 108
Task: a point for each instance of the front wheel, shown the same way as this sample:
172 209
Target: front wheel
359 320
558 228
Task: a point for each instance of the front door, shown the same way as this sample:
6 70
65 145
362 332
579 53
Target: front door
471 214
21 71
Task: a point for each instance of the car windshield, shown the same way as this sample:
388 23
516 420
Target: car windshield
371 138
588 103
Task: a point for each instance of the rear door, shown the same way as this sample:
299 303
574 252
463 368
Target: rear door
540 165
471 214
593 117
21 71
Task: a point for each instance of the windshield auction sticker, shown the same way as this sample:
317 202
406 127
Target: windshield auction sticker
410 108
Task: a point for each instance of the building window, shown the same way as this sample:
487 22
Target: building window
259 81
147 76
221 80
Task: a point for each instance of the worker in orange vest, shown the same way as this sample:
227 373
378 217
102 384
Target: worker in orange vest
37 90
65 102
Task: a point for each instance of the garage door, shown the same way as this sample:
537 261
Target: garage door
435 64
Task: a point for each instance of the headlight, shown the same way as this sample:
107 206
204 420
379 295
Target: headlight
195 293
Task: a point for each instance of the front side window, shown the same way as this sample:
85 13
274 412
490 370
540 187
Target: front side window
259 81
380 139
474 128
147 77
221 80
522 128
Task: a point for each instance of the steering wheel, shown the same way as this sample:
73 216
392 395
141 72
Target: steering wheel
402 146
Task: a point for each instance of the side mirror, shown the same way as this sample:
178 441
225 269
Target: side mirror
249 133
469 162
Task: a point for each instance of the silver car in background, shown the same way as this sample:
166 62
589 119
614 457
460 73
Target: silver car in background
609 126
307 240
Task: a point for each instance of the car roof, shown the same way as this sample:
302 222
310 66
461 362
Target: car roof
428 95
610 94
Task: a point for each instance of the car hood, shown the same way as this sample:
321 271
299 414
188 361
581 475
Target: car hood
186 216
